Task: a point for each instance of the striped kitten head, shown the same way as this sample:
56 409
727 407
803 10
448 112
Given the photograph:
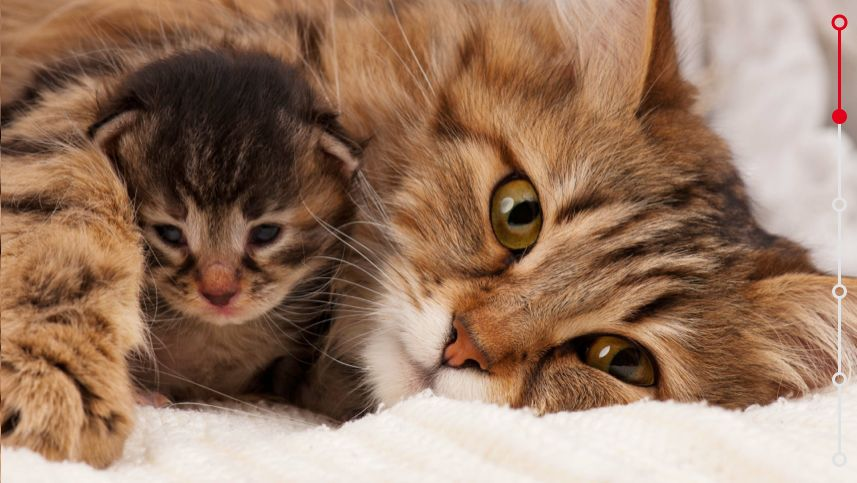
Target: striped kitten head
235 169
562 232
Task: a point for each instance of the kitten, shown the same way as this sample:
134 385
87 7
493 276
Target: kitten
228 159
231 185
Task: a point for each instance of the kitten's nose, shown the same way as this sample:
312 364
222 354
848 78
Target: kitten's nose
218 283
462 352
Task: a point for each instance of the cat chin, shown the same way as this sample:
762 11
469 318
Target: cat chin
404 357
463 384
395 376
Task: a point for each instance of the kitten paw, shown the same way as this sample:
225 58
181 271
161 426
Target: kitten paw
78 407
151 398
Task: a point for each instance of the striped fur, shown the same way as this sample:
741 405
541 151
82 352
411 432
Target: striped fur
102 146
648 231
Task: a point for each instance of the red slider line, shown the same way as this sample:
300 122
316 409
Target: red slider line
839 115
839 69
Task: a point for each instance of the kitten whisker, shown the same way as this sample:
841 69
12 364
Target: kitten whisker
336 233
214 391
354 265
272 418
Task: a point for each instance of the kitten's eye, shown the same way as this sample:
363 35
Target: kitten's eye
516 215
172 235
619 357
264 234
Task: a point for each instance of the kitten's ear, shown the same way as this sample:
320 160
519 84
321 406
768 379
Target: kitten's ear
793 320
113 121
338 146
106 130
340 152
627 53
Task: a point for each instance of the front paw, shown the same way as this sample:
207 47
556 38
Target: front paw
72 404
151 398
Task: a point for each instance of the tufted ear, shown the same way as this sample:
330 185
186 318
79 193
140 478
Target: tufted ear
661 85
338 146
626 48
794 322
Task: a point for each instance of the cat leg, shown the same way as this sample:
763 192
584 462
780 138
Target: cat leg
69 308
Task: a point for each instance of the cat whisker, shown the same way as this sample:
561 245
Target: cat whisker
410 47
351 282
392 49
274 417
320 350
352 297
214 391
369 191
332 21
339 235
353 265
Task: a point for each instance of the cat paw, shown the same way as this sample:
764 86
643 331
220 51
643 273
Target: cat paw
65 408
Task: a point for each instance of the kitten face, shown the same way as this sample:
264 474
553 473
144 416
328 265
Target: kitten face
227 268
235 171
561 232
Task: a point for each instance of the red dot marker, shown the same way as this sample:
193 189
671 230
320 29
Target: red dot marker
839 22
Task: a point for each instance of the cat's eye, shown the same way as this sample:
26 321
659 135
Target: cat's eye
516 215
170 234
621 358
264 234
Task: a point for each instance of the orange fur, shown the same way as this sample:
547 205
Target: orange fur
647 228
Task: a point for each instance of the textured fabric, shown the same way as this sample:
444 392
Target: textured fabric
435 439
766 88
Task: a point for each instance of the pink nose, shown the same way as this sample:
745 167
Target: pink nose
218 283
462 352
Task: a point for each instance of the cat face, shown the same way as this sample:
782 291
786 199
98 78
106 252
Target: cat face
561 232
237 176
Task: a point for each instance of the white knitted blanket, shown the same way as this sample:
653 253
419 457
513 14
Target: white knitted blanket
765 85
433 439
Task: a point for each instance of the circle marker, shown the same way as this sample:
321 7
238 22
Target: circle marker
839 204
839 459
839 291
839 116
839 379
839 22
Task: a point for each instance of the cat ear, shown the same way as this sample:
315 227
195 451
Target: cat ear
338 145
114 120
627 48
661 84
104 132
340 152
794 325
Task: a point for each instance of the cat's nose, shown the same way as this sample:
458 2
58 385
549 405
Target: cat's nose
462 352
218 283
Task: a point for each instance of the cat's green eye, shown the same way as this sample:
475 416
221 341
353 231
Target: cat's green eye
516 215
621 358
